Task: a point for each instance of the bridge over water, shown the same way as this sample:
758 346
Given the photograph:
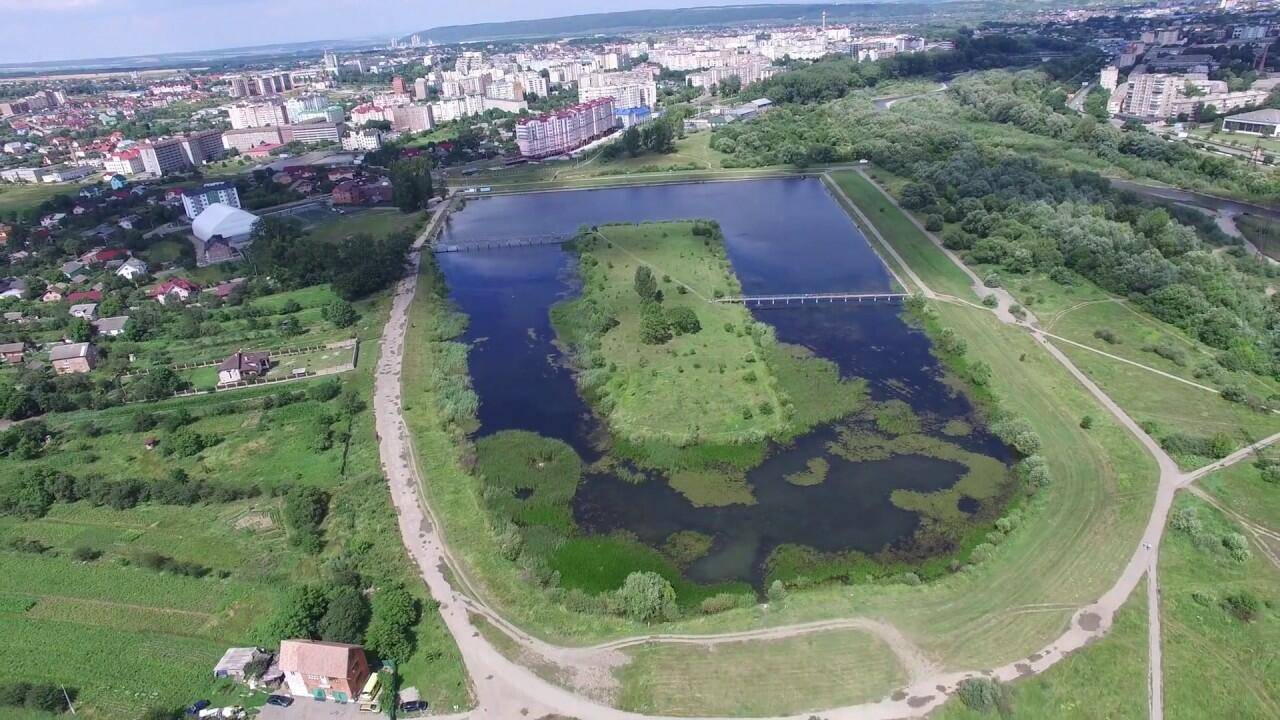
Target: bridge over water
801 299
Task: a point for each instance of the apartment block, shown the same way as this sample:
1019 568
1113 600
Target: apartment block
566 130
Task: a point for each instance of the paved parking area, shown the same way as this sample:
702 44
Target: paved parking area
304 709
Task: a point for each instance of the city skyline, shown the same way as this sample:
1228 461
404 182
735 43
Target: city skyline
91 29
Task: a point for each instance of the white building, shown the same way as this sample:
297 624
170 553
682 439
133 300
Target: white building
312 107
566 130
1109 77
412 118
634 88
126 162
362 140
132 269
259 114
225 222
196 200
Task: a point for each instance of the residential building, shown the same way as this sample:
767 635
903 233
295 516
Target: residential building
13 287
420 89
307 108
560 132
257 114
204 146
87 311
132 269
369 112
23 175
322 670
241 366
1109 77
353 193
398 86
412 118
111 326
311 132
13 353
249 138
66 173
125 162
362 140
1259 122
633 88
71 358
177 290
195 200
237 87
161 157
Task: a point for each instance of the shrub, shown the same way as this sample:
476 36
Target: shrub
1106 336
1185 520
992 279
1086 422
340 313
86 554
646 597
1237 546
1243 605
777 591
980 694
724 601
394 615
990 300
305 509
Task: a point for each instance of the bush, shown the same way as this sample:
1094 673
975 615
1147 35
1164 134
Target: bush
683 321
86 554
1185 520
1086 422
1106 336
1243 605
980 694
394 615
990 300
646 597
340 313
305 509
346 616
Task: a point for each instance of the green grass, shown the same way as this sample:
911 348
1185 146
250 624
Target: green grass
795 675
166 251
130 637
20 198
1213 660
1107 679
708 386
375 223
1242 489
934 268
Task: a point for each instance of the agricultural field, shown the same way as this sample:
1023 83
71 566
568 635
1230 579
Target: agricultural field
801 674
376 222
24 197
182 544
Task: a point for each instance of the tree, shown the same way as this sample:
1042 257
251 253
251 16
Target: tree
646 285
654 329
305 509
79 330
980 694
646 597
411 186
390 634
340 313
297 615
631 141
683 320
345 618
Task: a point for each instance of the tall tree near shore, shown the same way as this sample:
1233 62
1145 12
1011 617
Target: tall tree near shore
411 187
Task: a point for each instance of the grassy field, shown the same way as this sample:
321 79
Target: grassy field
707 386
20 198
934 268
795 675
68 620
1213 659
377 222
1242 489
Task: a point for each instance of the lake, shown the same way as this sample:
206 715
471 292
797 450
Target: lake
782 236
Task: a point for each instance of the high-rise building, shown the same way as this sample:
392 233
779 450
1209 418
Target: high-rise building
412 118
331 62
161 157
398 86
306 108
238 87
420 89
566 130
258 114
469 62
628 89
204 146
311 132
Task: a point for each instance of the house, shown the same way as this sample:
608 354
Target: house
129 222
324 670
53 294
132 269
51 220
223 290
243 366
12 287
175 290
88 311
13 353
73 358
71 267
84 296
118 182
111 326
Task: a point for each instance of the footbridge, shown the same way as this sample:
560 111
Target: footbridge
500 243
797 300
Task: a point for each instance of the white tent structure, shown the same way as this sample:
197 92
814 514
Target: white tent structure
219 220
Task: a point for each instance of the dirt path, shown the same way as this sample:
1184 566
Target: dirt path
505 689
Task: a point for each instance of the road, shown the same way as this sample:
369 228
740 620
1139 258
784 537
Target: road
505 689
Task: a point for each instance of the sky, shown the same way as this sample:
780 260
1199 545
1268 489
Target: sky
44 30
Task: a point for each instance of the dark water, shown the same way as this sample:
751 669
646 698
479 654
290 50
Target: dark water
782 236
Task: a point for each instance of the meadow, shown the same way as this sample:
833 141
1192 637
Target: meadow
21 198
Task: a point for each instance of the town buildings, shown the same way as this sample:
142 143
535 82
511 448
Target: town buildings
242 366
72 358
195 200
632 88
560 132
334 672
257 114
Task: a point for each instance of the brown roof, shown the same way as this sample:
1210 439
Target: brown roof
333 660
12 347
246 362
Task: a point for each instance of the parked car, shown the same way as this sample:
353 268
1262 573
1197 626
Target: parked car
413 706
197 706
280 700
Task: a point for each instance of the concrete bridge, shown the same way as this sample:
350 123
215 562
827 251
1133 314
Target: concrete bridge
813 299
500 243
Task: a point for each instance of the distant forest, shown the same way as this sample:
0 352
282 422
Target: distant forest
637 20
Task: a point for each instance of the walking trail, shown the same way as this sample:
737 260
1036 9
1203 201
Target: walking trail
506 689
